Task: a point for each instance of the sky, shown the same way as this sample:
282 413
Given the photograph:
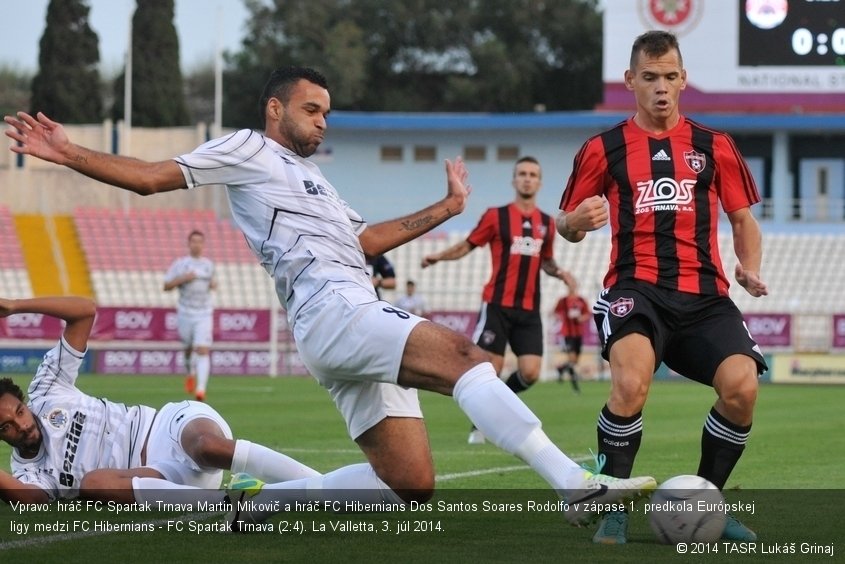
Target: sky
196 21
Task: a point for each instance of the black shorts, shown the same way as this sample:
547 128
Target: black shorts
573 345
692 334
497 326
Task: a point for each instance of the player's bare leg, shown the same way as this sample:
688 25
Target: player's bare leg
440 360
399 452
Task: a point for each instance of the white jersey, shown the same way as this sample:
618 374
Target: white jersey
194 296
302 232
79 433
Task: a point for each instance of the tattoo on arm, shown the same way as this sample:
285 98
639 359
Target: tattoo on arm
79 159
418 223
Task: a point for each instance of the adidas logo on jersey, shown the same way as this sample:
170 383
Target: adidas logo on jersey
660 156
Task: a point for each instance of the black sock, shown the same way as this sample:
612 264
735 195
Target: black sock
619 440
722 443
516 383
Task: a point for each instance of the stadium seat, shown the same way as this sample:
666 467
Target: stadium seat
14 281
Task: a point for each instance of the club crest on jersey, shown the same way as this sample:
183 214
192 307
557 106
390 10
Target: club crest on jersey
58 418
695 161
622 307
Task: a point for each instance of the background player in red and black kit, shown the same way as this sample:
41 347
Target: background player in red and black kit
573 312
659 179
521 239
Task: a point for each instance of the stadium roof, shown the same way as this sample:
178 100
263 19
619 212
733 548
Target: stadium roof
816 123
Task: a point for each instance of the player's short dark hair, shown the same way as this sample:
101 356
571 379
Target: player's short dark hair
654 44
196 232
281 82
7 386
525 159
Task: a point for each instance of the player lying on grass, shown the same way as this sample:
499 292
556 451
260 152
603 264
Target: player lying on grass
66 443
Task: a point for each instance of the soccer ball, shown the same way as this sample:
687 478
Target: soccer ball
687 509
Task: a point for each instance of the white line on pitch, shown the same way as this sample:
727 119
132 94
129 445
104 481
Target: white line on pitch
472 473
484 471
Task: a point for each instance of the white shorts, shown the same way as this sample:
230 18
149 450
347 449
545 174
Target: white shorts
196 329
164 445
353 343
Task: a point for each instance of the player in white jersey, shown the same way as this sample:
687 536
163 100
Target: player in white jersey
66 443
412 301
193 275
369 355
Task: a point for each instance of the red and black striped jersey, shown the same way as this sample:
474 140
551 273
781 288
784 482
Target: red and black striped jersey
519 243
571 311
663 192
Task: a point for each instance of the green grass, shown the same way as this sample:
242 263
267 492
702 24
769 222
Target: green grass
794 454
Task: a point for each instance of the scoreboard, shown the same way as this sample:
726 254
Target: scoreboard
740 55
793 33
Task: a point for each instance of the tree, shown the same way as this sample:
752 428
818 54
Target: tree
531 53
158 98
14 90
324 34
426 55
67 85
199 93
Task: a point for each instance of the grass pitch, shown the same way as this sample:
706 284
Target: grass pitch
792 471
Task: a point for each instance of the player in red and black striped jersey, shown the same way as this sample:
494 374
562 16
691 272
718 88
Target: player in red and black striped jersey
521 240
659 178
572 311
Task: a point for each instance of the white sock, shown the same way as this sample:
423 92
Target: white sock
203 365
153 490
267 464
356 483
508 423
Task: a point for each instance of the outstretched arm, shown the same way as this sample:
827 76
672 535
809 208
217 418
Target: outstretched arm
551 268
748 246
41 137
13 490
77 312
454 252
379 238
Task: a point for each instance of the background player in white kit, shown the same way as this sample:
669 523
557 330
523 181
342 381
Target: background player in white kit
66 443
193 275
412 301
369 355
